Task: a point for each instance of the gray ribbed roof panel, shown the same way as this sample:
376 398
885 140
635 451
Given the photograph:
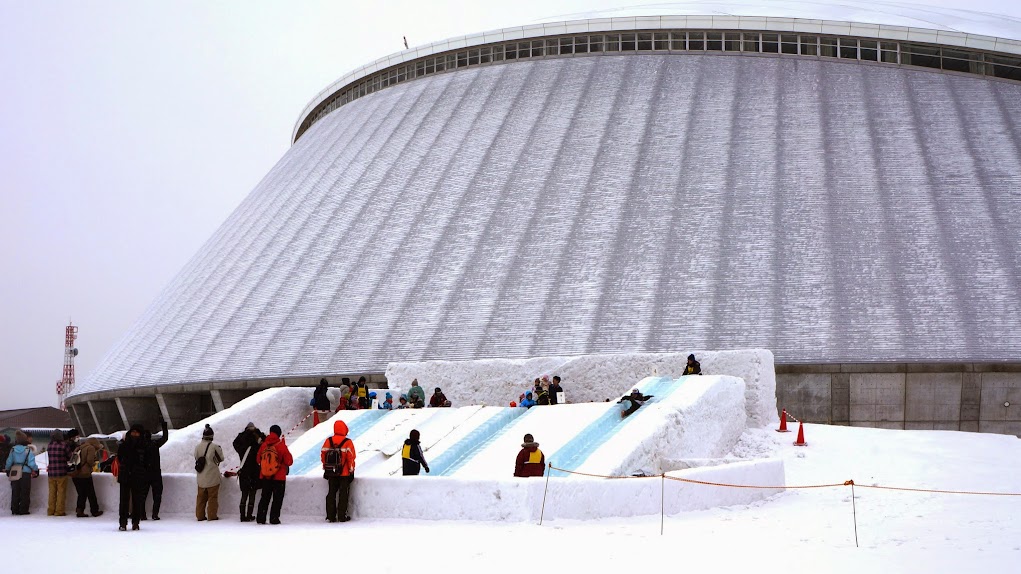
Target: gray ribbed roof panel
829 211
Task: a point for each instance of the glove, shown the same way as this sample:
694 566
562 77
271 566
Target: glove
427 470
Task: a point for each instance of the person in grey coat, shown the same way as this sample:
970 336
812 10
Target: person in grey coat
208 478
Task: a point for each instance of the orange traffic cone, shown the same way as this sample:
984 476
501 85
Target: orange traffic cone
315 418
783 422
801 435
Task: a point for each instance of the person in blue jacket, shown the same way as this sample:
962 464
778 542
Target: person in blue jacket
527 402
21 489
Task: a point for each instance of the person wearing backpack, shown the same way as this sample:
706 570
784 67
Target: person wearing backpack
88 454
21 461
133 475
338 458
57 454
247 446
208 456
412 456
274 460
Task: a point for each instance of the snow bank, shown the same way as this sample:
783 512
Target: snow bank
589 378
436 498
283 406
702 418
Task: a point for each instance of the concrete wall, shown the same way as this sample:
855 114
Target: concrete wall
973 397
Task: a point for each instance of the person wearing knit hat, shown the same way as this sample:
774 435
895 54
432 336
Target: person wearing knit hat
208 456
402 402
693 367
274 459
133 459
412 456
22 457
247 446
58 452
530 460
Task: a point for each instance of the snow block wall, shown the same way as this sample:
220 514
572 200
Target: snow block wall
431 498
589 378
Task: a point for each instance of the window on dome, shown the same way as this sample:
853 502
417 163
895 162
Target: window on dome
696 40
1009 68
473 57
770 44
595 43
788 44
732 42
960 61
662 41
714 41
567 45
809 45
645 42
581 45
869 50
627 42
678 41
537 48
918 55
750 42
849 48
612 42
462 59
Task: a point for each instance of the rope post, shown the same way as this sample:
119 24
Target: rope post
854 513
662 502
542 511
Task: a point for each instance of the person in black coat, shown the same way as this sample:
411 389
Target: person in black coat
554 389
133 474
632 402
247 446
155 479
320 401
412 456
693 367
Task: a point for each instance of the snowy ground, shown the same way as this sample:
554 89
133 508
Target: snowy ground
798 531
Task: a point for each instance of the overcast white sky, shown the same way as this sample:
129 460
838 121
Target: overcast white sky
130 130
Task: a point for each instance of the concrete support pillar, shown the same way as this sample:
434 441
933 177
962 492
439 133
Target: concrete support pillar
83 418
187 408
108 417
217 400
95 419
143 410
164 411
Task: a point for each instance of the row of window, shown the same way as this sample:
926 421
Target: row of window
891 52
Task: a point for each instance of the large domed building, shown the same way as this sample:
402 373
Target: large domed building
838 184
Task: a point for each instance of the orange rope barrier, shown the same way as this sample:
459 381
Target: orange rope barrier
791 487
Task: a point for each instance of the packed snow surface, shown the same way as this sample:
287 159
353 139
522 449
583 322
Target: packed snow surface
799 531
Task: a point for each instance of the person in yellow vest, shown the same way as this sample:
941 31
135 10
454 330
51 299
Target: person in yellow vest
530 461
412 456
363 394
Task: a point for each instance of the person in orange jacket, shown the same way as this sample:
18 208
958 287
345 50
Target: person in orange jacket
274 460
530 461
338 457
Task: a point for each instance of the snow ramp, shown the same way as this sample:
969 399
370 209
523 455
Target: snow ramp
307 449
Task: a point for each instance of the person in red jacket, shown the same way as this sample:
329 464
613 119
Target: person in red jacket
274 458
530 461
338 457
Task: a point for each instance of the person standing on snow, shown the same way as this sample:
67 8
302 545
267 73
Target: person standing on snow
693 367
412 456
247 446
274 459
208 456
320 402
345 394
133 454
530 461
82 478
57 453
338 458
364 402
23 457
155 479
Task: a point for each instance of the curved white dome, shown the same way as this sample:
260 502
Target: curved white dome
883 13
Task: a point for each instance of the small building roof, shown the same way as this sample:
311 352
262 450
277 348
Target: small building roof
36 418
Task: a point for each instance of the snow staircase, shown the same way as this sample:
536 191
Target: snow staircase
453 458
574 453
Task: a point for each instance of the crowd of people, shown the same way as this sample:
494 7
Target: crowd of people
264 458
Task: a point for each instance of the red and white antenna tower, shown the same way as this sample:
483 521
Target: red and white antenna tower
66 382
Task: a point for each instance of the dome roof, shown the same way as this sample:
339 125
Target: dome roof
828 211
